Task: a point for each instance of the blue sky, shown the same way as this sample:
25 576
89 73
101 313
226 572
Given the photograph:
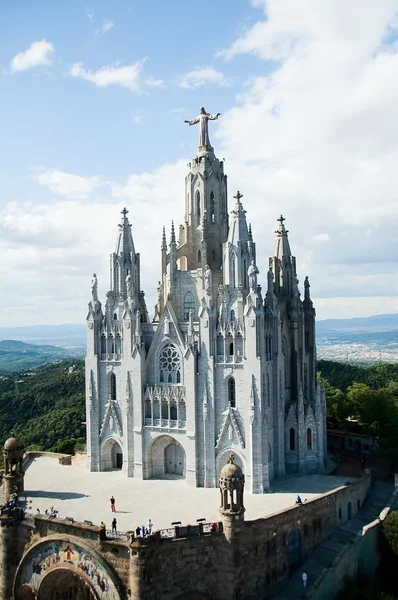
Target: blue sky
92 103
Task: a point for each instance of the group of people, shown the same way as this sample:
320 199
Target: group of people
50 512
144 531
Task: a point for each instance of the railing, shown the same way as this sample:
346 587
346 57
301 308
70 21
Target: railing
165 423
111 356
221 358
180 531
118 535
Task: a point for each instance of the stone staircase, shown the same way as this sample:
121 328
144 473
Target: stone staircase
324 556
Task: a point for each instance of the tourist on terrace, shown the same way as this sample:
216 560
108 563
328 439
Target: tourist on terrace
114 525
298 499
113 507
150 525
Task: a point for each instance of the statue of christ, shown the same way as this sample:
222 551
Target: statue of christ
203 120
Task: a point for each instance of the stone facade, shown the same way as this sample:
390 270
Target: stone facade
222 367
43 558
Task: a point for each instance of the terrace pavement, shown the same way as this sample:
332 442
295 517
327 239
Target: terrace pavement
77 493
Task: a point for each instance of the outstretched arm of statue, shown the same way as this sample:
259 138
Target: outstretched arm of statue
213 117
193 121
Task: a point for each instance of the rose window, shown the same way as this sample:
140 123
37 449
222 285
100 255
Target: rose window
170 368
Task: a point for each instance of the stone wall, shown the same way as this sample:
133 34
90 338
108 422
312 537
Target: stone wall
253 562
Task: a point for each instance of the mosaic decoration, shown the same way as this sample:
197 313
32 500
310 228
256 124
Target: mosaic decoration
48 555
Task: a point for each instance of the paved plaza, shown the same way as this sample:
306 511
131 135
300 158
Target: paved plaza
77 493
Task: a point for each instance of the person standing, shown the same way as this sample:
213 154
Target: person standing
138 531
150 525
113 507
304 577
114 525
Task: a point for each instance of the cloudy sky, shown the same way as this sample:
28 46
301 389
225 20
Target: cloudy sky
92 104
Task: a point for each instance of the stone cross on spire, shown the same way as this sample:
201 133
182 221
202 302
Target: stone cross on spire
238 196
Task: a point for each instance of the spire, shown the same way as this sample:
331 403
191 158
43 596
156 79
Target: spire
250 232
281 248
238 231
164 243
173 234
124 241
307 288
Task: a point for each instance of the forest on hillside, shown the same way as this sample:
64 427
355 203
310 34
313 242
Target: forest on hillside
368 396
44 406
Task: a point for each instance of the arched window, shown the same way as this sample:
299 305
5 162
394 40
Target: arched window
232 315
213 255
115 317
103 344
170 366
173 412
189 304
112 386
198 208
212 213
231 392
292 439
116 281
199 256
148 409
309 439
231 349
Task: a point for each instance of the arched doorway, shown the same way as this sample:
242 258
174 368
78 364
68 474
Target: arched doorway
64 583
294 551
111 455
165 456
174 460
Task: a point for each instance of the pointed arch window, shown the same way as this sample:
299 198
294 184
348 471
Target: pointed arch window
292 439
198 208
212 213
189 304
169 365
199 256
309 439
231 392
232 315
173 412
116 282
231 349
112 386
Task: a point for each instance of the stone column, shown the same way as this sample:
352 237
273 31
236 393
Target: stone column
9 532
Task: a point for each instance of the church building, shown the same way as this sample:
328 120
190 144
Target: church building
222 367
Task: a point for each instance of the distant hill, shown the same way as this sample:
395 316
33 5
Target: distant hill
365 339
17 356
72 337
375 323
369 339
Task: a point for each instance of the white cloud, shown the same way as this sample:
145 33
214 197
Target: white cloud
137 119
127 76
179 109
67 184
321 237
37 54
152 82
200 76
107 25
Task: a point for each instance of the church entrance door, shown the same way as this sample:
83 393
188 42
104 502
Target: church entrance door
117 456
174 460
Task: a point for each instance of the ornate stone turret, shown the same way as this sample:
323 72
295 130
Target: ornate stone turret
13 481
232 483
